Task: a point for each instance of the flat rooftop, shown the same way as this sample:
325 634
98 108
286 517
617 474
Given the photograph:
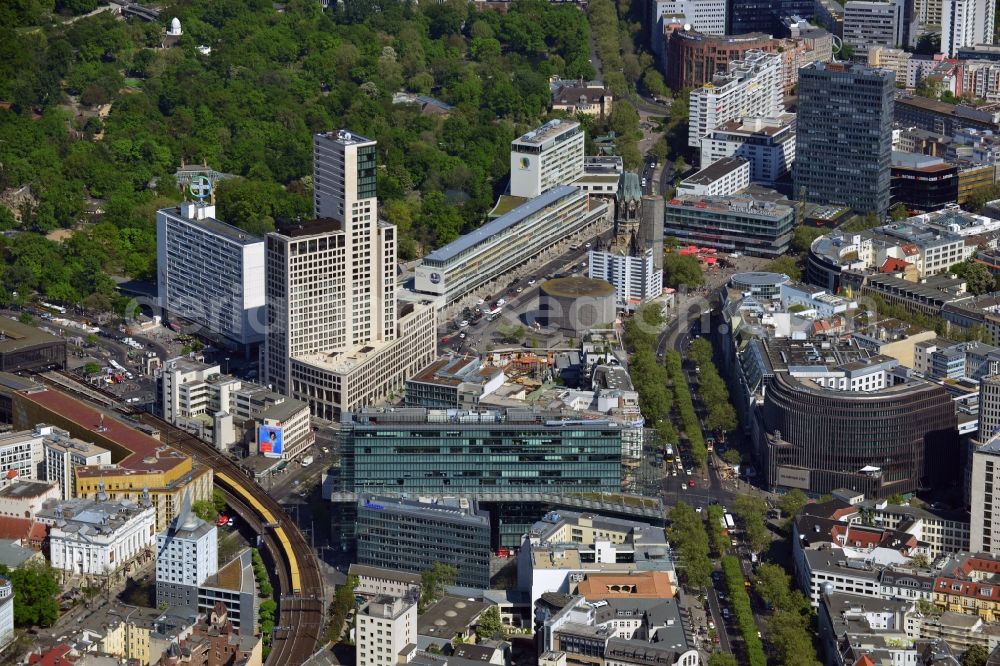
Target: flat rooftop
446 418
760 279
502 223
24 489
345 137
284 410
716 170
404 577
547 131
459 510
316 227
449 616
758 126
633 585
145 453
740 204
577 287
217 227
15 336
454 370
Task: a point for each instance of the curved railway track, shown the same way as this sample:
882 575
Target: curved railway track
300 621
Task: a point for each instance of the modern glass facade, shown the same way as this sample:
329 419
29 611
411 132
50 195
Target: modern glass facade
765 15
432 451
366 172
758 228
844 141
408 535
880 443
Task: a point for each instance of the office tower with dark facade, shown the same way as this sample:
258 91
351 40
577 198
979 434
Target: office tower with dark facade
411 535
765 15
844 136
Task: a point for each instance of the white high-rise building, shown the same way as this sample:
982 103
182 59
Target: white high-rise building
344 182
63 453
751 88
989 407
966 23
386 625
767 143
706 16
334 340
21 454
210 272
632 273
984 524
187 553
869 23
546 158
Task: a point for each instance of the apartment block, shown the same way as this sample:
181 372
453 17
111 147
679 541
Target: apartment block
385 626
984 534
751 87
966 23
723 177
187 553
768 144
21 454
63 453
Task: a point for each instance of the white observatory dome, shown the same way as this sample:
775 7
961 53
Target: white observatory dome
175 26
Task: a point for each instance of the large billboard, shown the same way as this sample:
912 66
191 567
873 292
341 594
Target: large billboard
429 280
270 441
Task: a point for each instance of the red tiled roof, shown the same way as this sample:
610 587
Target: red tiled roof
54 657
15 528
893 265
864 661
147 453
38 532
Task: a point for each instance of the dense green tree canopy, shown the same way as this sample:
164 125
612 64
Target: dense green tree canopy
36 594
250 108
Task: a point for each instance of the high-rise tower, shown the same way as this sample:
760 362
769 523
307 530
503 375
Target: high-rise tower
331 290
844 136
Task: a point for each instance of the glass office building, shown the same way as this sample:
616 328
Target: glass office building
447 451
734 223
844 136
411 535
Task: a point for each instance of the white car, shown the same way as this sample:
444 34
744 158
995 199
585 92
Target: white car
531 282
464 323
500 302
587 245
479 301
461 335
